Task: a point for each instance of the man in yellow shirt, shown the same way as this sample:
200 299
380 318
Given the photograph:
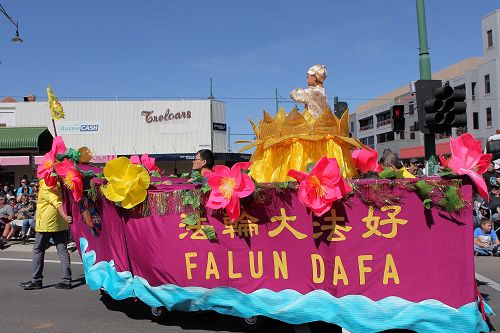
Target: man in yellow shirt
51 222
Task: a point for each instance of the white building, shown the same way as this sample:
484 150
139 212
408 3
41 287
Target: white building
479 76
172 131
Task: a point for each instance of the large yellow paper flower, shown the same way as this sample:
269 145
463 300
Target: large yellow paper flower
127 183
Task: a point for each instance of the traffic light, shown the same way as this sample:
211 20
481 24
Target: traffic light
440 107
339 108
398 118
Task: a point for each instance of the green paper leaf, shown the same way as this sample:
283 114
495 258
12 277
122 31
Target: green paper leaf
191 219
209 231
427 203
89 173
155 174
190 198
206 188
310 166
185 175
424 188
388 173
451 201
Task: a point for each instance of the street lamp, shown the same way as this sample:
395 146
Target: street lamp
16 38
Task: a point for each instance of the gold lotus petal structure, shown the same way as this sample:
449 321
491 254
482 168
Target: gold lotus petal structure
294 140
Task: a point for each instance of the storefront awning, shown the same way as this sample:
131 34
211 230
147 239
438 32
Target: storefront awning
25 141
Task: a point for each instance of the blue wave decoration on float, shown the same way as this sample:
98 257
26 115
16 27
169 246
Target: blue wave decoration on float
103 274
355 313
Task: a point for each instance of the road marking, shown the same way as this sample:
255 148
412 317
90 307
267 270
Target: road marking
491 283
303 328
49 261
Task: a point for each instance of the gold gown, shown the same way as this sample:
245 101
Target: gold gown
292 141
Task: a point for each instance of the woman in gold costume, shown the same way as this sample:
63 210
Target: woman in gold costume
294 140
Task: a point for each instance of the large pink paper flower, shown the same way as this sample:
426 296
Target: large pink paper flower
72 178
365 160
467 159
46 167
228 186
146 161
324 185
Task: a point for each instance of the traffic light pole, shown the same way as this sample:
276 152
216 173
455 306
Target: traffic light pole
425 69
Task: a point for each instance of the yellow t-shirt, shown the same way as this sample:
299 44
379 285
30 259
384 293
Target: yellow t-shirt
48 218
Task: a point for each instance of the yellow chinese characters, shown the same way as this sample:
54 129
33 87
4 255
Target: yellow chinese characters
373 222
246 226
283 219
335 234
196 228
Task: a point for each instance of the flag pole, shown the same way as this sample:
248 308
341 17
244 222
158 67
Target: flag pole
54 126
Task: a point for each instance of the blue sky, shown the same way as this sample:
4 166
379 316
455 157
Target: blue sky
151 49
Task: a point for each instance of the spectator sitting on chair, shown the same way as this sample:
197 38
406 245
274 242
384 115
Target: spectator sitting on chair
494 203
24 188
6 215
25 218
485 239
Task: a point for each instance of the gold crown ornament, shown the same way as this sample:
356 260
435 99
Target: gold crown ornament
293 141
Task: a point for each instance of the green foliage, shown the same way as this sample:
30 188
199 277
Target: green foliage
427 203
310 166
190 198
71 154
209 231
185 175
451 201
446 172
424 188
191 219
388 173
155 174
205 188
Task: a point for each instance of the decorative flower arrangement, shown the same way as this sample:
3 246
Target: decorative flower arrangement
228 186
72 178
467 158
366 160
322 186
148 163
127 182
63 163
46 168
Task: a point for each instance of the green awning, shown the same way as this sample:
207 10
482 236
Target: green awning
25 140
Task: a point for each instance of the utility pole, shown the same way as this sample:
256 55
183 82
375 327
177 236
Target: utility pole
424 61
276 94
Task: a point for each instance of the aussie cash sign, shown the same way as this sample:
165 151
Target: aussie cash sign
79 127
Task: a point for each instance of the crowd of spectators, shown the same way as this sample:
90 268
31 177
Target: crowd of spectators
487 215
17 210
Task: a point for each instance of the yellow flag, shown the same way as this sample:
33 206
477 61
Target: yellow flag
56 109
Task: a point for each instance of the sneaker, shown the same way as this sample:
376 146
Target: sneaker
33 285
62 285
24 284
3 242
71 246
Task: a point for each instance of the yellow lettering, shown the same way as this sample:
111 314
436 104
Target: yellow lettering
232 274
362 268
211 267
280 265
339 272
316 260
189 264
390 271
260 266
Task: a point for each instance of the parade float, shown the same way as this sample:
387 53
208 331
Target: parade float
312 229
